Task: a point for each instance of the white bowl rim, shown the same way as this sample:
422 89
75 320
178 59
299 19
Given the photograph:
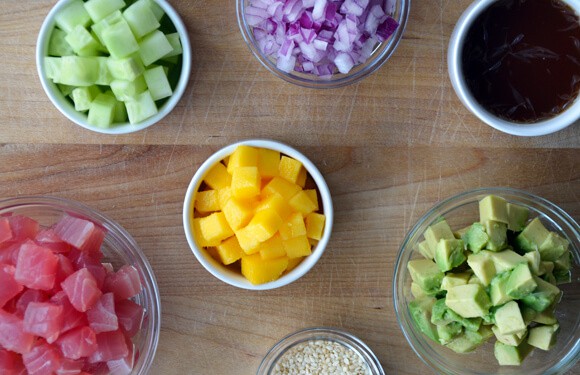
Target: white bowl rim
238 280
548 126
67 109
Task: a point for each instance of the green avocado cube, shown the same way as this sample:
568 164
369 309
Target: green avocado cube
469 340
469 300
497 289
506 260
508 355
517 217
521 282
533 259
553 247
513 339
453 279
532 237
509 319
497 235
482 266
437 231
545 317
564 262
425 273
420 310
425 250
543 337
543 296
493 208
417 291
449 254
439 313
448 331
475 238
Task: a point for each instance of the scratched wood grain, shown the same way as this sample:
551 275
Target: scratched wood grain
378 194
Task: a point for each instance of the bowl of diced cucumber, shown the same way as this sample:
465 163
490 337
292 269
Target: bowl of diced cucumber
113 66
488 282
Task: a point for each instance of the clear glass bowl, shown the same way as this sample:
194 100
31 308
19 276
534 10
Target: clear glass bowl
379 56
320 333
119 248
462 210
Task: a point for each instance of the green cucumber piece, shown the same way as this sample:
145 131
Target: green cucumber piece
155 8
153 47
99 9
120 114
127 69
82 42
80 71
53 68
72 15
66 90
141 108
57 45
118 38
141 18
128 90
157 83
83 96
102 110
175 42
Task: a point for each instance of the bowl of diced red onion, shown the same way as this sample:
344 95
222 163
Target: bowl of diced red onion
322 43
78 294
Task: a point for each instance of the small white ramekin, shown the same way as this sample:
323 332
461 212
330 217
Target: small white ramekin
66 107
235 278
454 57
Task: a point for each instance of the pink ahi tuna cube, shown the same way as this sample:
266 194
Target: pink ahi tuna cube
50 239
130 316
23 227
123 366
78 343
5 230
9 288
44 319
11 363
73 317
29 295
110 346
81 290
82 234
12 335
43 359
102 317
125 283
36 266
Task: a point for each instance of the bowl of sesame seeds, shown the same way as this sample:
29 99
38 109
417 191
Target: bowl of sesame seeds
320 350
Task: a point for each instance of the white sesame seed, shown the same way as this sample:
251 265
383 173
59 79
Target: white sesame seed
321 357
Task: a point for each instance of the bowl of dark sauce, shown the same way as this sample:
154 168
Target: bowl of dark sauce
515 64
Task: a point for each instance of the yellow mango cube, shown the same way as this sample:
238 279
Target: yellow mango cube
224 196
264 224
293 227
243 156
277 203
207 201
272 248
281 186
289 169
229 250
215 227
301 180
297 247
268 161
260 271
313 195
198 235
247 241
315 225
218 177
238 213
302 203
245 182
293 263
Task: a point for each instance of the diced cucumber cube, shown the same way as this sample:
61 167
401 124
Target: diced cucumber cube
153 47
99 9
157 83
72 15
119 39
104 78
102 110
66 90
82 42
155 8
120 112
141 108
57 45
141 19
53 68
111 19
83 96
175 43
79 71
128 90
126 69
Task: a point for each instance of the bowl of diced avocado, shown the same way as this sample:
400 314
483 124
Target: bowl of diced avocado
113 66
488 282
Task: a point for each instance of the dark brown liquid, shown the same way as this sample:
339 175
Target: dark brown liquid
521 59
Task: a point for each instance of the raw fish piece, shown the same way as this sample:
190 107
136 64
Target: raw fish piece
81 290
9 288
12 335
101 316
44 319
36 266
77 343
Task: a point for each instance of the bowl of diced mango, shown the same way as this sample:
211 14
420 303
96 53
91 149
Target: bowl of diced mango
258 214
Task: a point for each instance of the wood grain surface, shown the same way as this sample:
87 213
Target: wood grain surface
389 147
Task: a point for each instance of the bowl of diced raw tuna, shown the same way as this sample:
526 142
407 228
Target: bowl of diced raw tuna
77 294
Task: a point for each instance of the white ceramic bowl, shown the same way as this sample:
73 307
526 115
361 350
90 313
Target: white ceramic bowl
66 107
235 278
454 57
